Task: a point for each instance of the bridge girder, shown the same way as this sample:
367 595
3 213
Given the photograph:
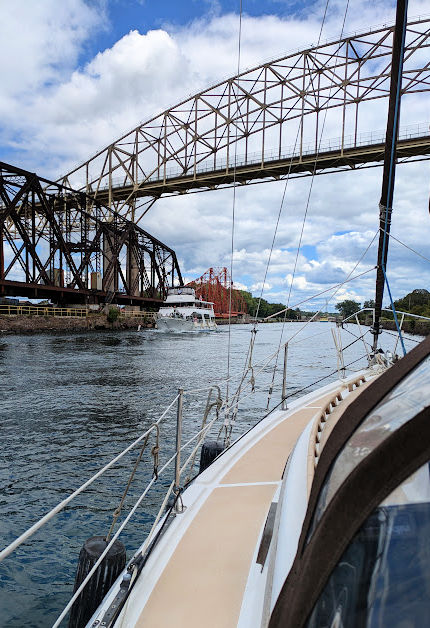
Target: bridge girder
44 254
265 122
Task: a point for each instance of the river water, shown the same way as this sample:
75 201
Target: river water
72 402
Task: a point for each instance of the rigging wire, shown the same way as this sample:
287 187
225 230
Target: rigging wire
233 208
313 172
396 336
318 312
275 355
399 331
307 201
338 285
247 363
346 280
410 248
281 207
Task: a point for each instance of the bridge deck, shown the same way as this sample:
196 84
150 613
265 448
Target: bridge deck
273 169
71 295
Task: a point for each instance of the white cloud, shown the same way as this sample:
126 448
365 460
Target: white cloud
299 281
42 42
260 285
240 286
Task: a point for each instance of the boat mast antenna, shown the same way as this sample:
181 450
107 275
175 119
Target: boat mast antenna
386 202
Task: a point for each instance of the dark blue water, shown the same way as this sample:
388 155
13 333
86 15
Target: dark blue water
70 403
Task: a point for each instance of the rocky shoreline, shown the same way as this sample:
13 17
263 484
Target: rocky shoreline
415 327
94 322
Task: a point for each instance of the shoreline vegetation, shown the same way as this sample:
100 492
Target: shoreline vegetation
416 302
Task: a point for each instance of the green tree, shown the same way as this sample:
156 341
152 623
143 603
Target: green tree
348 307
266 308
370 304
113 314
416 302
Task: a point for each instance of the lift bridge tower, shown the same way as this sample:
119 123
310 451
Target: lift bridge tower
60 244
216 286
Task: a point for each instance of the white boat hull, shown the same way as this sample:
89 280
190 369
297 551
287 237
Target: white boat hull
238 486
166 323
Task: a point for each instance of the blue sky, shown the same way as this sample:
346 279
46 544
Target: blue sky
143 15
81 73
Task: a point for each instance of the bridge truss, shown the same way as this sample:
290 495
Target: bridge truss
51 246
216 286
267 123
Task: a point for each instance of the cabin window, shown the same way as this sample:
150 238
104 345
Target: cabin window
400 406
178 304
383 577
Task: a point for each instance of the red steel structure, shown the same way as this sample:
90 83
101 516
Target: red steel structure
215 286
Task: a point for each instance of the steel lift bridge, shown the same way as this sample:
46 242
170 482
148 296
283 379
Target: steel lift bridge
264 124
52 247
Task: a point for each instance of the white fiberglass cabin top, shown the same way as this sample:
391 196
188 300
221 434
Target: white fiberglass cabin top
183 311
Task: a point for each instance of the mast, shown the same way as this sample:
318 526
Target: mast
386 202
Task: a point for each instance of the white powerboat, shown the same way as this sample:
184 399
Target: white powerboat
182 311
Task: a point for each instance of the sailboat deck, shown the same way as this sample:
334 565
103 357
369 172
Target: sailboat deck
204 579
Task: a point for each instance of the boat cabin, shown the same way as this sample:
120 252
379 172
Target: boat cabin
362 556
183 303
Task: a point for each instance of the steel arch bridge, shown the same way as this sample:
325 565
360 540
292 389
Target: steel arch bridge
268 122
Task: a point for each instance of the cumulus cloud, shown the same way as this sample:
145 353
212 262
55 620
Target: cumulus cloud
299 281
239 286
260 285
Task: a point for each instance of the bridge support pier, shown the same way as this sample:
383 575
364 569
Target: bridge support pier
133 268
110 271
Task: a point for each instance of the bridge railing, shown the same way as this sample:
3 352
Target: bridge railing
34 310
368 138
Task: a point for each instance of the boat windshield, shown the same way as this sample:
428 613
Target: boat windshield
383 577
183 290
408 398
